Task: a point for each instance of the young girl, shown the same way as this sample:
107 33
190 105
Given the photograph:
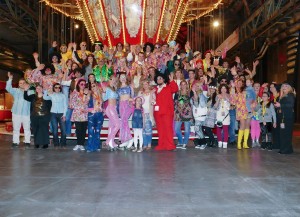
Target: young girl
267 119
223 105
137 124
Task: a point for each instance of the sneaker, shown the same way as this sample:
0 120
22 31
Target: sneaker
220 144
15 145
179 146
76 148
183 146
134 150
81 147
27 145
202 147
45 146
140 150
197 146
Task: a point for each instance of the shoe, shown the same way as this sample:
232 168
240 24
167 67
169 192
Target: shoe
76 148
202 147
140 150
81 147
130 143
98 150
45 146
27 145
197 146
178 146
123 145
263 145
220 144
253 143
183 146
36 146
134 150
224 144
14 145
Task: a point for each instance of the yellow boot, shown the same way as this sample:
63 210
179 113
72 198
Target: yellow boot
240 137
246 136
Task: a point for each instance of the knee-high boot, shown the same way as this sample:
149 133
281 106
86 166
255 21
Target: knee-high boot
240 137
246 136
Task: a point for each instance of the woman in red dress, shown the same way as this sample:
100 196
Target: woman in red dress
164 111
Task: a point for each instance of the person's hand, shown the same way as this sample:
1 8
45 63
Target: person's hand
132 48
274 125
86 91
10 75
54 44
187 46
255 63
26 86
41 67
70 45
237 59
264 85
277 104
35 55
74 46
248 71
171 76
63 118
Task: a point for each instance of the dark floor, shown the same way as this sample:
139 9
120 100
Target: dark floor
212 182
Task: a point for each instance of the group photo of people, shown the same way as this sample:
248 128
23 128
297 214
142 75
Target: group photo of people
194 99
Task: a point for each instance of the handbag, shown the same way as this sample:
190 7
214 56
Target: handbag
220 123
210 118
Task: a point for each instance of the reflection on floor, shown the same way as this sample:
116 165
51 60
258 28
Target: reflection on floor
210 182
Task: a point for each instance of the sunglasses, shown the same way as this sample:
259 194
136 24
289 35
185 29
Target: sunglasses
176 64
83 45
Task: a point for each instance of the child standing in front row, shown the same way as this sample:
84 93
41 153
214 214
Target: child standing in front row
137 124
267 119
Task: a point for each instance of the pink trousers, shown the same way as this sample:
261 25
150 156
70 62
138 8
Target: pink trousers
113 125
225 133
125 112
255 129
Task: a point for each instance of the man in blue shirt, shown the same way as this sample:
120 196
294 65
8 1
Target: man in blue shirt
20 111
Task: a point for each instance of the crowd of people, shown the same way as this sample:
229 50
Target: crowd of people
157 86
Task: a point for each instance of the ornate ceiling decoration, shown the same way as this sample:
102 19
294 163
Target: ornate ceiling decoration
133 21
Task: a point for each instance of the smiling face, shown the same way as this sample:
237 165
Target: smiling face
160 80
22 83
91 78
146 85
82 85
48 71
39 89
265 97
57 88
223 90
138 102
123 78
54 59
83 46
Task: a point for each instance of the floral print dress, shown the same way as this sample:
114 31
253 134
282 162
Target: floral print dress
79 104
239 100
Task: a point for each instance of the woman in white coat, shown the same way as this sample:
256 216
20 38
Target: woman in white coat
223 117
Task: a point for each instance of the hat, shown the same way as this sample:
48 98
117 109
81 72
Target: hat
196 53
206 52
159 74
48 66
98 42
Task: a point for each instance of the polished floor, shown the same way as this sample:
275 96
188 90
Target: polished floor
211 182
